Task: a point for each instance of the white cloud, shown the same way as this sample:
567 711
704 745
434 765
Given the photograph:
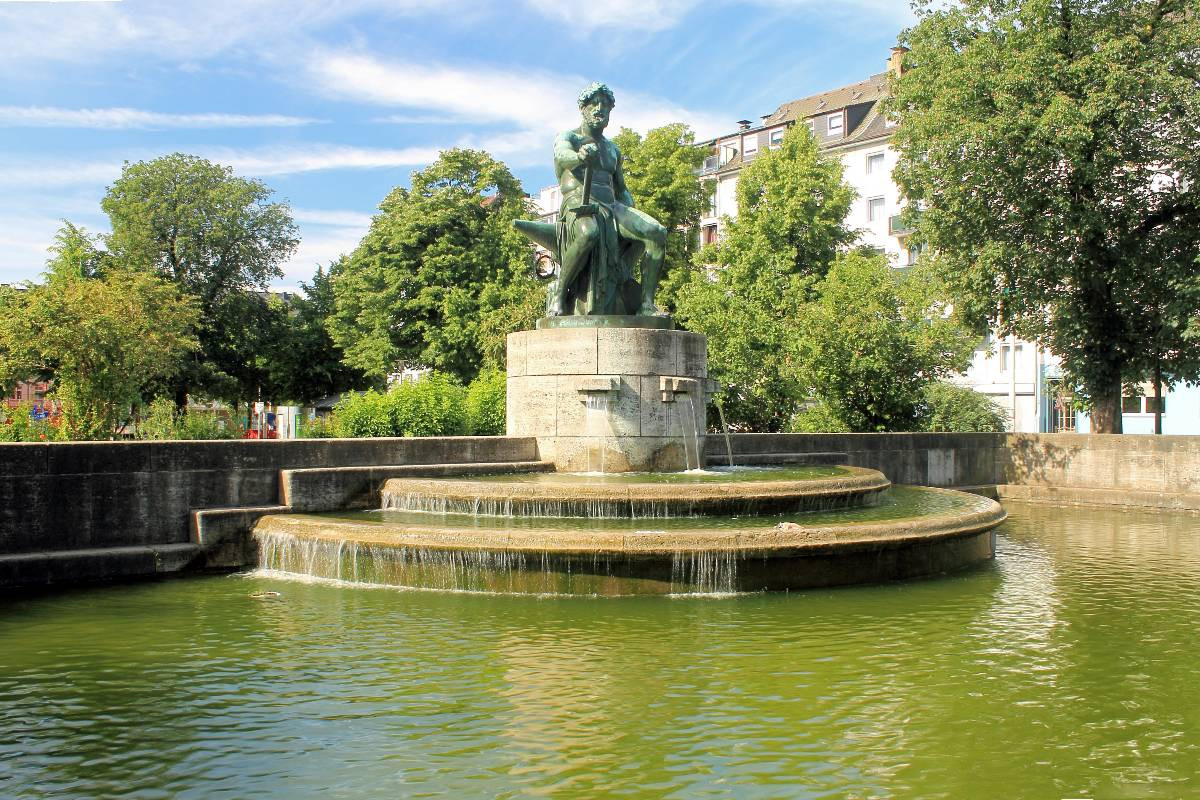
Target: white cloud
290 160
275 160
120 118
657 15
334 218
647 15
185 32
535 104
319 247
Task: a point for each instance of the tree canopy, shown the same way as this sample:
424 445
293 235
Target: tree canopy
99 338
749 291
660 171
1054 147
216 236
874 340
439 272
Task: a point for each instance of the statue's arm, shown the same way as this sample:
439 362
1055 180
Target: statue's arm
622 191
566 157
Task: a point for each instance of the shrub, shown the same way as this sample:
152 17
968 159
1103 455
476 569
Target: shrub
485 404
317 428
162 422
360 415
957 409
18 425
818 418
433 406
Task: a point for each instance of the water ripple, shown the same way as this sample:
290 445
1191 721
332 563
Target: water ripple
1066 668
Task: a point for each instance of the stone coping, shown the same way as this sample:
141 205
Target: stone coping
770 541
663 323
857 480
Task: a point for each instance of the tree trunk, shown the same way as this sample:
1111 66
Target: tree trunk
1106 411
180 399
1158 398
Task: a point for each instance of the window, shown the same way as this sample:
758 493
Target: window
708 234
710 163
835 123
1156 404
812 126
750 144
874 163
777 138
1131 405
1005 351
874 209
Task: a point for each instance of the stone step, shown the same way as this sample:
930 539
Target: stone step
45 568
718 459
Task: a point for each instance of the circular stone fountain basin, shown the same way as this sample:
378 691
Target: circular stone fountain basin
912 532
641 495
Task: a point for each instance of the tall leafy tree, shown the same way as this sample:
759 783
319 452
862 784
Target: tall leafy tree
660 171
874 341
97 338
216 236
305 365
749 292
437 259
1054 146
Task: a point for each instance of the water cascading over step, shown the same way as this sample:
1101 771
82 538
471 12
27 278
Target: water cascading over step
672 534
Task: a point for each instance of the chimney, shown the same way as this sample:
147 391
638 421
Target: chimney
896 61
743 124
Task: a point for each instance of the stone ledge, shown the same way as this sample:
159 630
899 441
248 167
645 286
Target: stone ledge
1166 501
93 565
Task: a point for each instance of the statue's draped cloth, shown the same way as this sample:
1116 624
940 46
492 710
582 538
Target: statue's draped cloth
602 288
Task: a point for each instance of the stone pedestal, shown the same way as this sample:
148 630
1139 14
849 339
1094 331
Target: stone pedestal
610 399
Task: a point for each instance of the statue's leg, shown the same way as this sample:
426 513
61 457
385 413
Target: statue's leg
637 225
582 238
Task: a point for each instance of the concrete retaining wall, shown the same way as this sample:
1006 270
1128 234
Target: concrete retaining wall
927 459
88 495
97 509
1126 470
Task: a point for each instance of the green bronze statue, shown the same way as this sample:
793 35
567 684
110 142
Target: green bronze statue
600 237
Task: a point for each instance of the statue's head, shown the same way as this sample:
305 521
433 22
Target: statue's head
596 102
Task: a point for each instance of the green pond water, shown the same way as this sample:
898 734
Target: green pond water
1067 668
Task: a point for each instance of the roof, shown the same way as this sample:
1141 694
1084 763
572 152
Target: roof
871 90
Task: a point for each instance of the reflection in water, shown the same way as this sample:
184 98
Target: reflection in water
1066 669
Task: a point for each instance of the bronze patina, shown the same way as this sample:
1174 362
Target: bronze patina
600 239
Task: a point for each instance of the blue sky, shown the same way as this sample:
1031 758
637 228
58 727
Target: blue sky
332 103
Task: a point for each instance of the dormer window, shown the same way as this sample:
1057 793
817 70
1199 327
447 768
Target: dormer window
835 123
776 138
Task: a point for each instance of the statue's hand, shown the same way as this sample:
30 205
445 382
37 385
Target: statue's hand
589 153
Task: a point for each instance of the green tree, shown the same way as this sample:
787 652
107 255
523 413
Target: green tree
304 363
958 409
217 237
1053 147
97 339
747 298
660 171
875 339
438 258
